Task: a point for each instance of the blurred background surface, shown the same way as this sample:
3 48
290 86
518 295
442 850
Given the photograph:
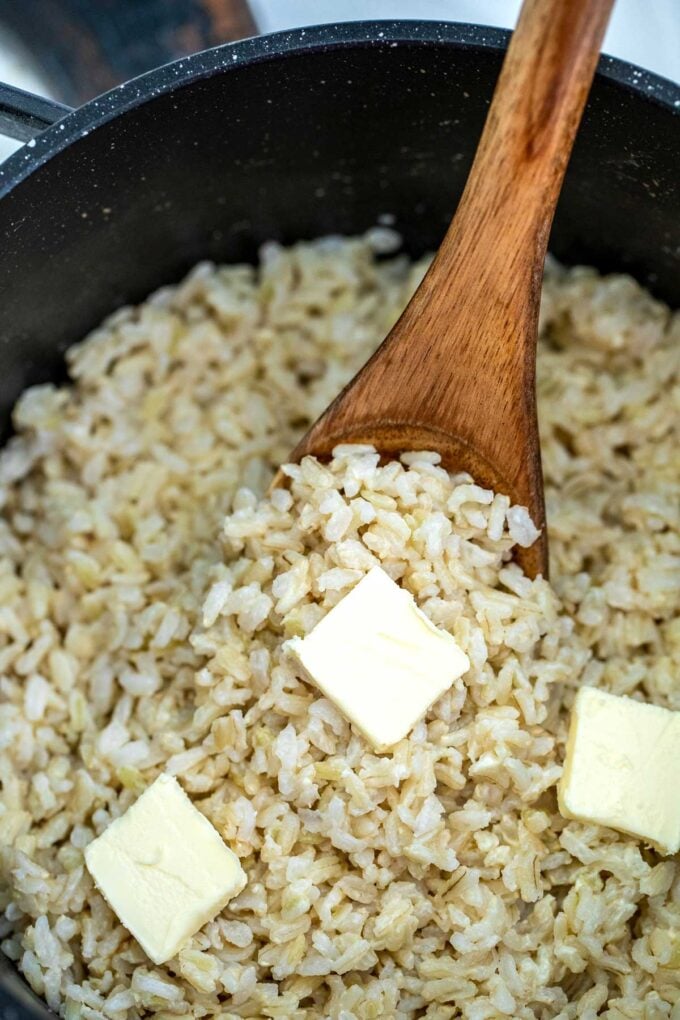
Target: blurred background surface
73 49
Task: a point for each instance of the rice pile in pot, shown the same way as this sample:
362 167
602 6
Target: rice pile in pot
146 590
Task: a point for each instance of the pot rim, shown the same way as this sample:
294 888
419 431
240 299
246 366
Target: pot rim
228 57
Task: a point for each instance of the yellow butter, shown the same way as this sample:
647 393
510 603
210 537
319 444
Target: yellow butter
622 768
379 659
164 870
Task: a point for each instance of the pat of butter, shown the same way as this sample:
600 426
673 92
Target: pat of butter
164 869
379 659
622 768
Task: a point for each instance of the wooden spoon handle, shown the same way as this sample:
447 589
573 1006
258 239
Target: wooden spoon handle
529 133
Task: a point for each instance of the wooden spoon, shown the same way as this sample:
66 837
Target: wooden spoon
457 372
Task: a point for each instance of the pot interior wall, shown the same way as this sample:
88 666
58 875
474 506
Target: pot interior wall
306 144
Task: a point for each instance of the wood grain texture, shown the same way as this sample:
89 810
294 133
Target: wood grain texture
85 47
457 372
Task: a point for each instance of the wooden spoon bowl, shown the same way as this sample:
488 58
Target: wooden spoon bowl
457 372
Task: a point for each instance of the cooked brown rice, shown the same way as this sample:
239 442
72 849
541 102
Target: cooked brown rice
139 632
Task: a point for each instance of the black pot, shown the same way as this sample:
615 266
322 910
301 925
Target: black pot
292 136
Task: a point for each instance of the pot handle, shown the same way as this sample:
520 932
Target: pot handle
24 115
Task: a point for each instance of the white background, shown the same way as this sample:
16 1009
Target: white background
645 32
